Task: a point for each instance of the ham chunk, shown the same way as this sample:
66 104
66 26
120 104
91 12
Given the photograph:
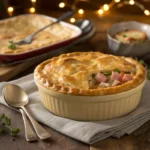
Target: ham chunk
127 77
117 76
100 78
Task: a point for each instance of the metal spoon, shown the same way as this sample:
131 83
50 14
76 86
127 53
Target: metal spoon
28 39
16 97
29 132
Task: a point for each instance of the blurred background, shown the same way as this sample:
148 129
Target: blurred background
10 8
102 13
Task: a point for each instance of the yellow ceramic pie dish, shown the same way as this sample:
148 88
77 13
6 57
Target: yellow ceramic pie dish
115 91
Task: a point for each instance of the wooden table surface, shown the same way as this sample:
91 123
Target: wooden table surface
139 140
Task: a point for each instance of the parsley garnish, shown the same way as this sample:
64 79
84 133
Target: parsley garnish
106 73
12 45
146 67
124 35
5 123
116 70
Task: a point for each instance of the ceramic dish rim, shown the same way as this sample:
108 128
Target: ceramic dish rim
94 98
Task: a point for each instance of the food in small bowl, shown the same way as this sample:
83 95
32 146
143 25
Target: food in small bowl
90 85
129 38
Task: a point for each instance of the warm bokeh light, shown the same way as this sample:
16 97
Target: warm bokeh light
100 11
72 20
146 12
105 7
131 2
32 10
117 1
10 9
81 11
33 1
61 5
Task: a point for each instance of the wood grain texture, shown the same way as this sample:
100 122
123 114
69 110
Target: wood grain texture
57 142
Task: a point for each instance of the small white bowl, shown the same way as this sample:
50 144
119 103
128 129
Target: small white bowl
133 49
90 108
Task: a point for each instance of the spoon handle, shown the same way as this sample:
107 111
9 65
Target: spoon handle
41 132
63 17
29 132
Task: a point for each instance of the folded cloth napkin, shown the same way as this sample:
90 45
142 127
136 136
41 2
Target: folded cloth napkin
88 132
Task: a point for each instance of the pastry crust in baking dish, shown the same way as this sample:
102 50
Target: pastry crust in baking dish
17 28
90 73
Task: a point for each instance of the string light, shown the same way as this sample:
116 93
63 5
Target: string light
61 5
146 12
10 9
81 11
117 1
100 11
105 7
131 2
72 20
32 10
33 1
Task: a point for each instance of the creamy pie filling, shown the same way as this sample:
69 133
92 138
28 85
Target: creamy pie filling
109 78
90 71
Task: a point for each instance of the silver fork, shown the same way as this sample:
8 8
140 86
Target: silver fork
29 38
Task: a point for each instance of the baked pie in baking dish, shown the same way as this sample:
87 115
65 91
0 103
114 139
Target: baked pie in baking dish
90 85
90 73
17 28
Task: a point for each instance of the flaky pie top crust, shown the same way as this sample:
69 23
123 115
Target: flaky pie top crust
17 28
69 73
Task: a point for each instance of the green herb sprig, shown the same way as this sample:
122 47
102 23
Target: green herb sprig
124 35
116 70
12 45
5 123
146 67
106 73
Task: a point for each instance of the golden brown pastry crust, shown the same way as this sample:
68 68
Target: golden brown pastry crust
62 69
17 28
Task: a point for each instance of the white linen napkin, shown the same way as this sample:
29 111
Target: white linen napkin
87 132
